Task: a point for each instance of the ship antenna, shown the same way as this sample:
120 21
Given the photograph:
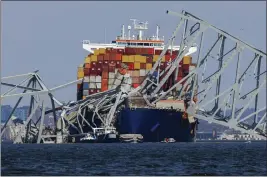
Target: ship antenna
157 36
129 32
105 35
122 32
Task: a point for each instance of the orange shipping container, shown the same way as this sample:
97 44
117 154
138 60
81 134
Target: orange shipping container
104 85
100 57
105 75
87 65
118 57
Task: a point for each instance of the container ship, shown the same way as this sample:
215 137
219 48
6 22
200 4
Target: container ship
135 55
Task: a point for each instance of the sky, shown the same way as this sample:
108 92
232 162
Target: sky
47 35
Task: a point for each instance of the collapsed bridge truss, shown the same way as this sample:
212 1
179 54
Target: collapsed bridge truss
229 81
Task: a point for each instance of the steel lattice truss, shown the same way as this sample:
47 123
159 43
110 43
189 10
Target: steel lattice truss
238 77
229 80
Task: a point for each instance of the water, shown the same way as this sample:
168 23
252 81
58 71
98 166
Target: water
135 159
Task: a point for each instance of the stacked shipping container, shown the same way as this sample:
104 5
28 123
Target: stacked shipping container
99 69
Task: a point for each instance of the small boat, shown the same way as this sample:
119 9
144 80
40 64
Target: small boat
88 138
248 142
168 140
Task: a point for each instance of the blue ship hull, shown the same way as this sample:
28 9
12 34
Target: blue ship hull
155 125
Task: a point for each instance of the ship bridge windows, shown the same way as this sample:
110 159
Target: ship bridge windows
146 44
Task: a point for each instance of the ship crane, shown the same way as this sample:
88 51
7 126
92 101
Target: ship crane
221 104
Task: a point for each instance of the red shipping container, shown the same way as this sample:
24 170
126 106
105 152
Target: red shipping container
119 51
130 66
158 52
105 74
135 85
86 71
99 64
142 65
106 57
93 71
105 68
162 65
186 67
108 50
111 68
175 52
112 56
92 91
112 62
105 63
79 86
118 64
180 72
93 64
118 57
99 71
149 59
104 85
100 57
167 58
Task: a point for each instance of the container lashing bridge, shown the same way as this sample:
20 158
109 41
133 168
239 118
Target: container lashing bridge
229 79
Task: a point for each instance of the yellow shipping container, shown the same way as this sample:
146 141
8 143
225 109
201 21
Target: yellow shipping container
142 59
131 58
148 66
125 58
87 60
94 58
102 51
136 65
155 58
187 60
136 58
96 52
84 97
80 74
80 69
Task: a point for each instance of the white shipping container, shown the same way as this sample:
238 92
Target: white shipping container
98 85
85 92
109 86
86 79
117 82
111 81
191 68
147 71
142 72
118 76
92 85
111 75
116 70
98 79
92 79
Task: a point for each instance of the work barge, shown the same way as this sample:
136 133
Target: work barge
223 104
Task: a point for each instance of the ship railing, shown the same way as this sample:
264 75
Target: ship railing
86 42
